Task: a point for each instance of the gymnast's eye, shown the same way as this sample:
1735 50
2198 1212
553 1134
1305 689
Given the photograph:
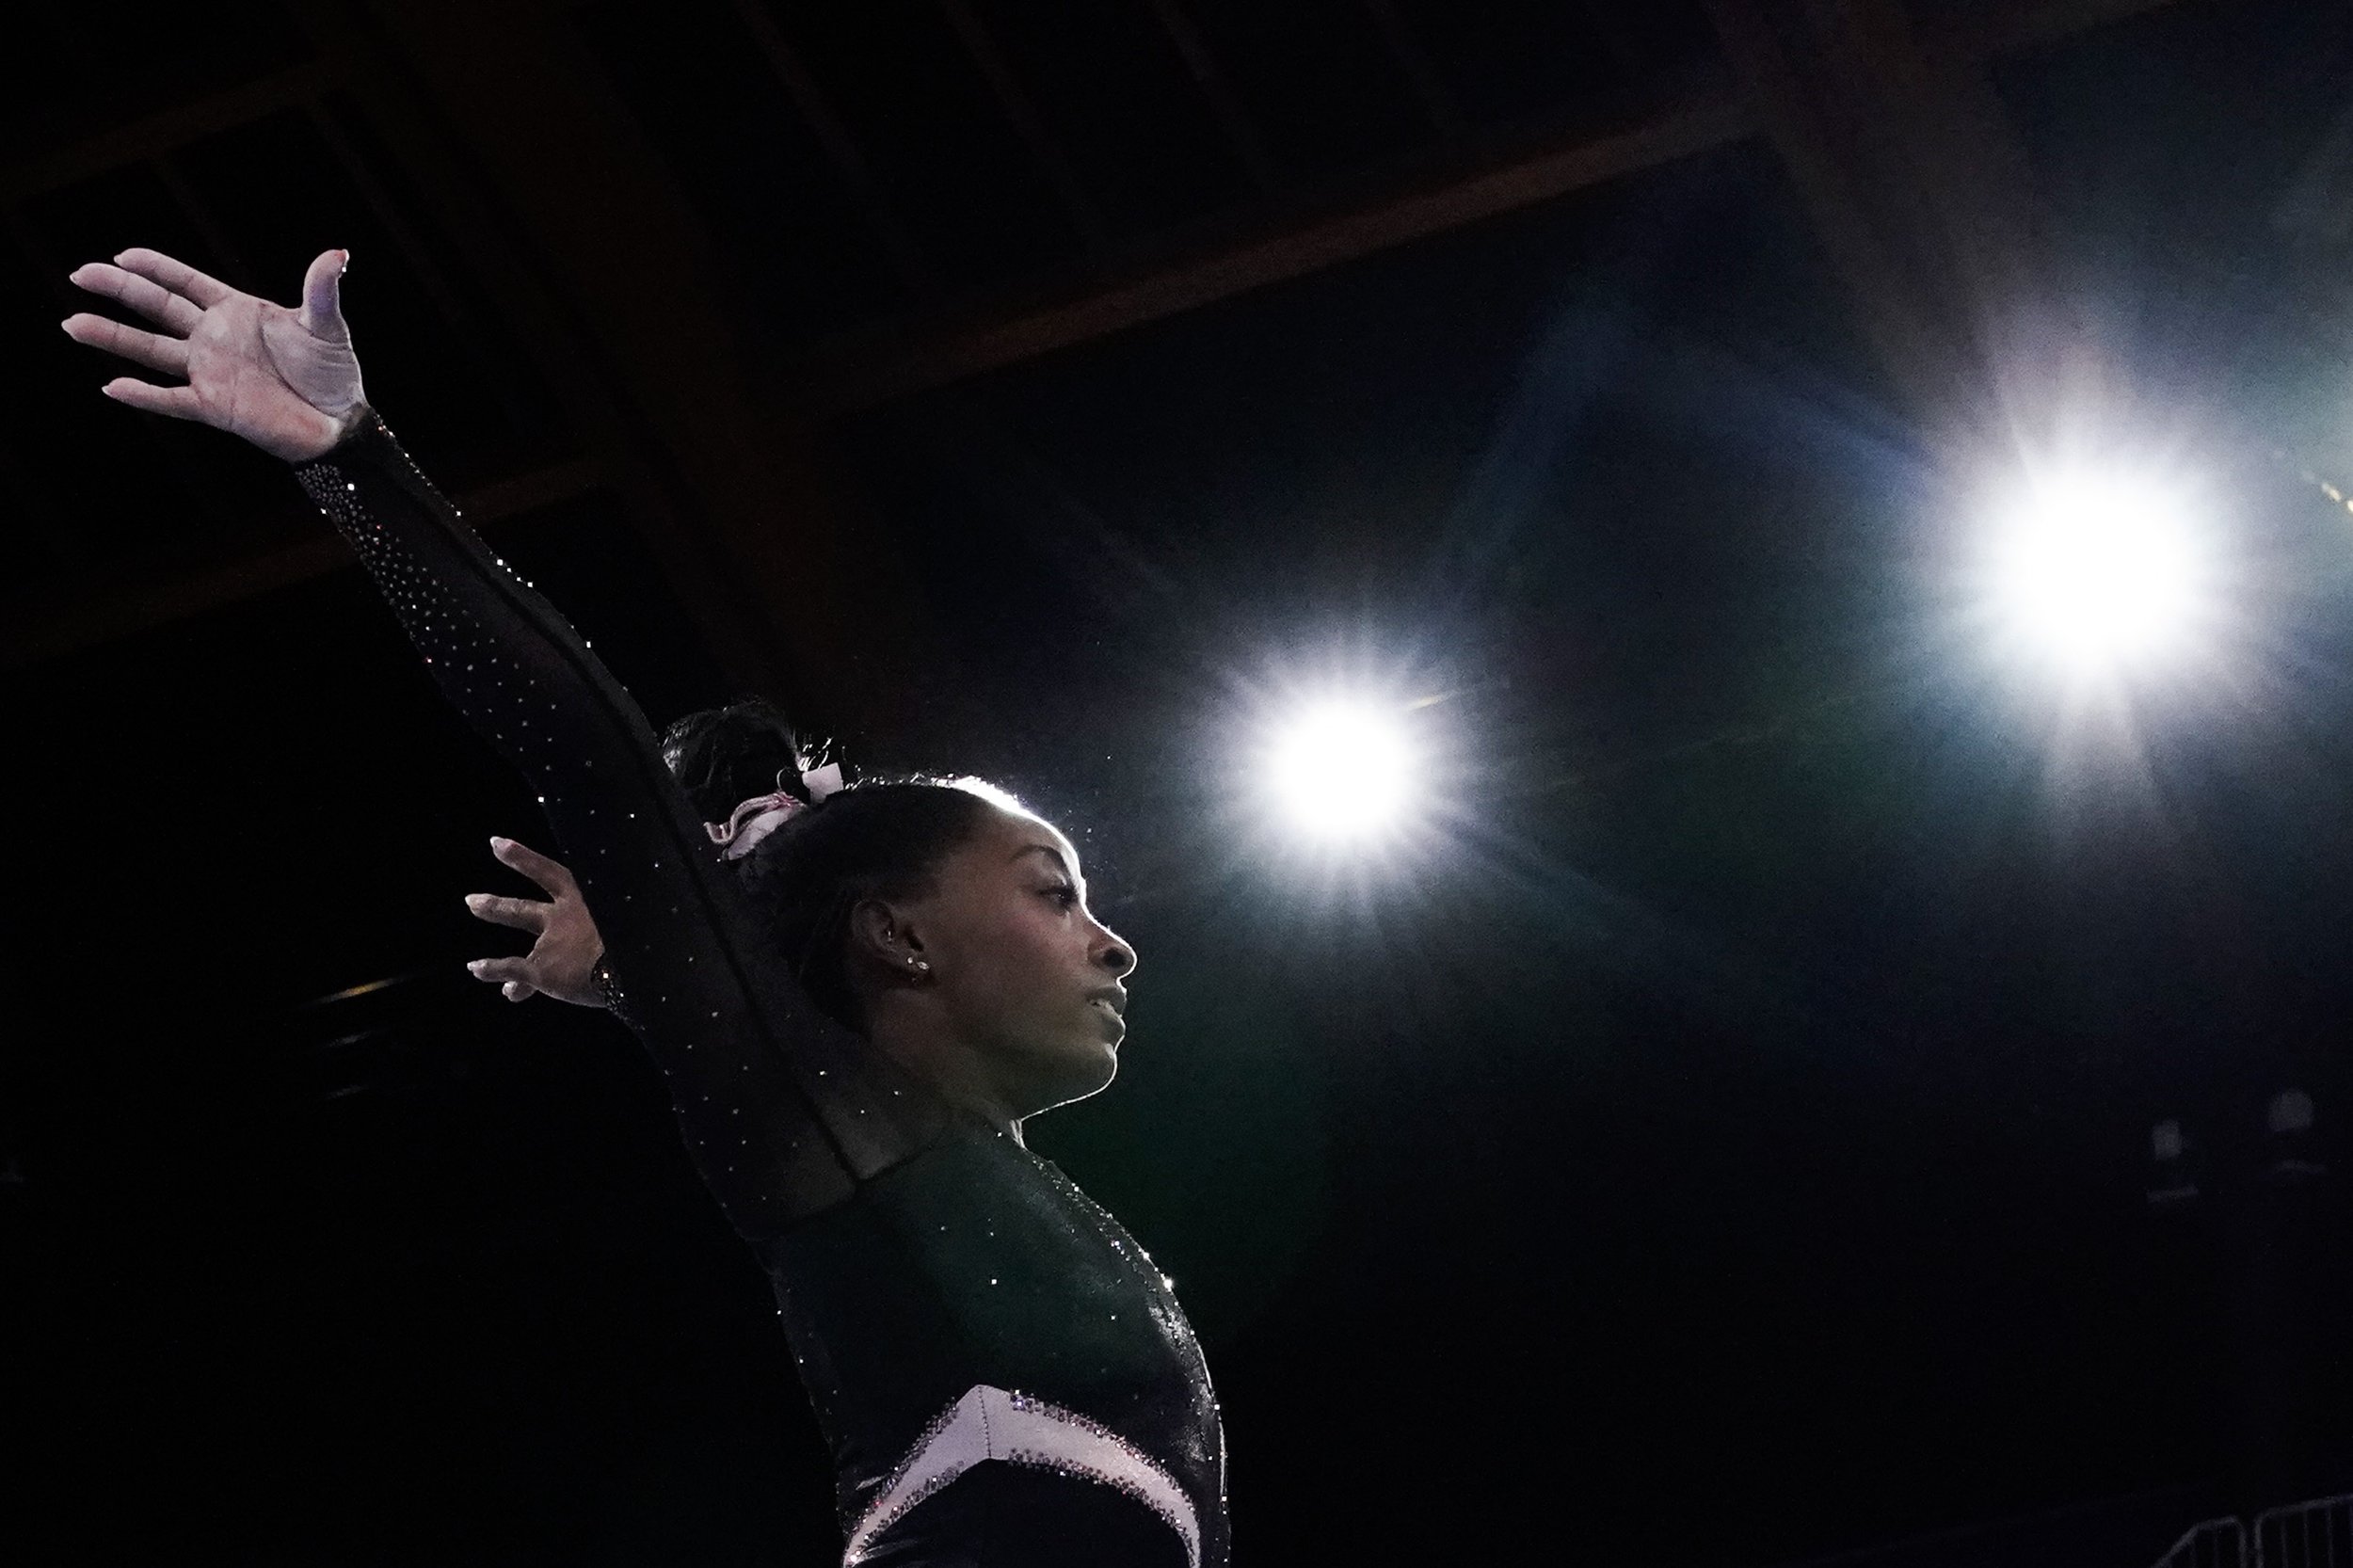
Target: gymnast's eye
1064 895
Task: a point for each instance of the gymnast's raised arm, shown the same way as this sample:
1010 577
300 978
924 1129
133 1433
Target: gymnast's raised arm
782 1107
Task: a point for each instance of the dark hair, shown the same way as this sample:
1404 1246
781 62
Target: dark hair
722 757
875 838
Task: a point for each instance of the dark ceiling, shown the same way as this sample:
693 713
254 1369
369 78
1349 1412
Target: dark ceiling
1726 1145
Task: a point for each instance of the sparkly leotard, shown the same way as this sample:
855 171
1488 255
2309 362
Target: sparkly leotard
1003 1375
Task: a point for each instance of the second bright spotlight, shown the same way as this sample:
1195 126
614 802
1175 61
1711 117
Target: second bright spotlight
1343 770
2103 573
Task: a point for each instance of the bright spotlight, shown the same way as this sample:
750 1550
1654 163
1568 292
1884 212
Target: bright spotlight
2103 571
1342 770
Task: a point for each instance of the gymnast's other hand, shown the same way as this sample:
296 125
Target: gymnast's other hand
283 377
566 947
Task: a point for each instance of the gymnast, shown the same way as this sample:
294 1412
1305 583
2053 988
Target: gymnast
856 994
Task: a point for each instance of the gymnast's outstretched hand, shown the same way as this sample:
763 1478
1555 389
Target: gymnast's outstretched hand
564 949
283 377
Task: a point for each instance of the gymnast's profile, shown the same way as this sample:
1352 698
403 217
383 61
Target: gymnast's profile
856 991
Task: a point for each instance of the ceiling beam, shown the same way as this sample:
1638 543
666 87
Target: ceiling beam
863 370
2010 25
859 373
570 217
1922 196
156 134
49 625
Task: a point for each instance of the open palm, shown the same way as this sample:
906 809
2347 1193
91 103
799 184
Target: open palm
283 377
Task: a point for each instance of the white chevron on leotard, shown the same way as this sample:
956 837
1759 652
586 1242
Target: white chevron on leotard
993 1423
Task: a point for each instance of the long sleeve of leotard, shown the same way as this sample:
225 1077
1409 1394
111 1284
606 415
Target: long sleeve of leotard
783 1110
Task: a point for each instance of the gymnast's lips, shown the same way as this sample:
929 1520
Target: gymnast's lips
1114 996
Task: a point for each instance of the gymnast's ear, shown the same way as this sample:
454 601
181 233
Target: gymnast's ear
882 934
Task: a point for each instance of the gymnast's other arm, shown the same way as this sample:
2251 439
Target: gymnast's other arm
566 956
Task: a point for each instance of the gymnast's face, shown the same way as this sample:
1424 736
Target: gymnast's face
1021 975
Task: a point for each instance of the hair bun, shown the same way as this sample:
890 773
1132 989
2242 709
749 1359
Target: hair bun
722 757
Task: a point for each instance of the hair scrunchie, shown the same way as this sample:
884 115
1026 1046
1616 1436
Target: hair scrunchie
761 815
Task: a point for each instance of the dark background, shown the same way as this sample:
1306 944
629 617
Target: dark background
1721 1136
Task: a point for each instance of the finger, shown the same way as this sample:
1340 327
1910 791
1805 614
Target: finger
322 313
169 355
177 402
498 971
150 299
521 913
548 873
519 990
177 276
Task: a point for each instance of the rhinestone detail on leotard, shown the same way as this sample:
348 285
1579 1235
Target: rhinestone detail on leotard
1013 1428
